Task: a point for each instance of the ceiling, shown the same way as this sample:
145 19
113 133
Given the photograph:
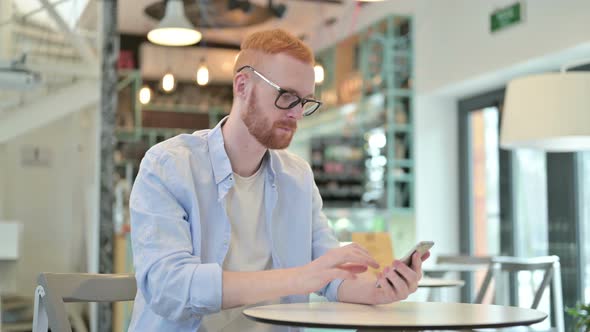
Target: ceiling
60 38
70 10
301 18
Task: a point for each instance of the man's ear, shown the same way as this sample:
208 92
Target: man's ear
241 85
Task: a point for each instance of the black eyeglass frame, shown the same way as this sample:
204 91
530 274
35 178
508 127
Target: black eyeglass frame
282 91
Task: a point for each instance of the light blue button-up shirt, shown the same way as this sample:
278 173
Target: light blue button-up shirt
180 231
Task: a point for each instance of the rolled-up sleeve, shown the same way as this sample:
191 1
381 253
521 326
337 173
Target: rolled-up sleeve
323 239
173 281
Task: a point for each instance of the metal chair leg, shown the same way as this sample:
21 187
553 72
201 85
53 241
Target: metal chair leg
558 297
40 321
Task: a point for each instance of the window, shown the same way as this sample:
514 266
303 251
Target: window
585 181
485 181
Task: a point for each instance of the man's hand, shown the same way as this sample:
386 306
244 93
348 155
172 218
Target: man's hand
240 288
396 283
340 263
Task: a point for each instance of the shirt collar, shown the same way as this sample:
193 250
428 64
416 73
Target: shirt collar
270 160
220 161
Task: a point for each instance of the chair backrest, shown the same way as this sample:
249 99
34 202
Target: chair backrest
467 265
55 289
552 274
463 260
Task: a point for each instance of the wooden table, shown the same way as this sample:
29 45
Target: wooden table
395 316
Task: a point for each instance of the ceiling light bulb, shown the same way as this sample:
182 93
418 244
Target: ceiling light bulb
145 95
203 75
174 29
168 82
319 73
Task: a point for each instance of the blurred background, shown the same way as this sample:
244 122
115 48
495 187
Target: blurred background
406 144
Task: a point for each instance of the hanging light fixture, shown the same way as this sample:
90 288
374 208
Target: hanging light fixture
244 5
174 29
145 95
168 82
549 112
203 73
318 70
277 10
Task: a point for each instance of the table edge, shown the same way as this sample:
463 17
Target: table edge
389 327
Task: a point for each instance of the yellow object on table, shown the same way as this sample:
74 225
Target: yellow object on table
379 246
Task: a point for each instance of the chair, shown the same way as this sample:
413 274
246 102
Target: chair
55 289
446 264
463 260
552 273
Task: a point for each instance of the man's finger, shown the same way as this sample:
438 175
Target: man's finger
405 272
358 246
353 268
416 262
356 257
359 250
400 286
344 255
408 275
387 289
368 258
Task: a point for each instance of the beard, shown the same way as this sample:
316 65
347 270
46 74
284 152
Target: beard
270 135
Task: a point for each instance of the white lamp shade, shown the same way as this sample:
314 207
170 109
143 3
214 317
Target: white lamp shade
550 112
174 29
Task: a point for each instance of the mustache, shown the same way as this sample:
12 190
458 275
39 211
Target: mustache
290 124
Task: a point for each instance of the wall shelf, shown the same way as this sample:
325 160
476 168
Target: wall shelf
387 65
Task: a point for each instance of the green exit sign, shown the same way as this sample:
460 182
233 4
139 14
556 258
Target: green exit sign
506 17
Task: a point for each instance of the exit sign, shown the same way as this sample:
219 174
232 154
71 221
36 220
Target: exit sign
506 17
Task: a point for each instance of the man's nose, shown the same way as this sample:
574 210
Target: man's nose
295 112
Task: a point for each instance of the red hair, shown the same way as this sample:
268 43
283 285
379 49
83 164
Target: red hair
273 42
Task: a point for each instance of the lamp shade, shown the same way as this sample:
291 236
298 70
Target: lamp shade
174 29
550 112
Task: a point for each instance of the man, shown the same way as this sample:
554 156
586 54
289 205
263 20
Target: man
225 218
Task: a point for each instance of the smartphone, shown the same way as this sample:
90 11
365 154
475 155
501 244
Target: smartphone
421 247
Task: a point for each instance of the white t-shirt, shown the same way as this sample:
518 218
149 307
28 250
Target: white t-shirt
249 248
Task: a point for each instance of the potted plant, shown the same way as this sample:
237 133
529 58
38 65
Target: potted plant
581 315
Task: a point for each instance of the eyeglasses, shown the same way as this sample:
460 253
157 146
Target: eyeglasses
288 99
